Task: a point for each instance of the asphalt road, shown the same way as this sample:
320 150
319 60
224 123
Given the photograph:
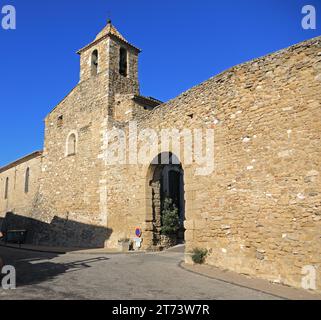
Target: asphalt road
118 276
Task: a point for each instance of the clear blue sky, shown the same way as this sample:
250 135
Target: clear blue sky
184 42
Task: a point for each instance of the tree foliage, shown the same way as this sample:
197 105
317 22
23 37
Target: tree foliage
170 218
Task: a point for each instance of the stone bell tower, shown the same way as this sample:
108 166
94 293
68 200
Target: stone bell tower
111 59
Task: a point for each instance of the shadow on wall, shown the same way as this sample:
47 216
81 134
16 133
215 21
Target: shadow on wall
59 232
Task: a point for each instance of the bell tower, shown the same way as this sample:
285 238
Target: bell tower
112 59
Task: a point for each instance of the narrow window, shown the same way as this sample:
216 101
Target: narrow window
71 145
123 62
60 121
6 189
94 63
27 180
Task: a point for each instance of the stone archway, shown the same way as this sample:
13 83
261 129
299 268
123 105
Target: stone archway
165 180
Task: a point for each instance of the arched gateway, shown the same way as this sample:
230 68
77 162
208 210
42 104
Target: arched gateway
165 180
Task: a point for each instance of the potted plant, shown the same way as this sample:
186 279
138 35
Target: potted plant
170 223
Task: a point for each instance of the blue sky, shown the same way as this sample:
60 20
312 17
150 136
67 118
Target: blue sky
184 42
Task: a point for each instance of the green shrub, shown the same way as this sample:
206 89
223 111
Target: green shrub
170 218
199 255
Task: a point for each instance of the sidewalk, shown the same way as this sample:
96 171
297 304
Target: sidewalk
63 250
277 290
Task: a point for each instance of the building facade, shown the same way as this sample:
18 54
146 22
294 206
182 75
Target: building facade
257 210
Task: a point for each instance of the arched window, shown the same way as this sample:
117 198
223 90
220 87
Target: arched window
6 189
27 175
123 62
94 63
71 144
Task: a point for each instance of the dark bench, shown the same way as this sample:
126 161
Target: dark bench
15 236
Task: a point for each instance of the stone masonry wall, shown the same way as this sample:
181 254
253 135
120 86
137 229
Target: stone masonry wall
73 188
18 200
69 185
258 213
71 206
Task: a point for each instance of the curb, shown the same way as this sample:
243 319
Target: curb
71 251
34 250
294 293
181 265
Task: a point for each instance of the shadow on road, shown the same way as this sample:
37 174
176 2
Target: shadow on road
36 267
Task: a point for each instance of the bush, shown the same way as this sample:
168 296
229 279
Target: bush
170 219
199 255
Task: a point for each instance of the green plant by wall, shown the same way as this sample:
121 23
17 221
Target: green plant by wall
170 218
199 255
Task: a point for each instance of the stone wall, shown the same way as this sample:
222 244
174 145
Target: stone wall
71 206
18 200
70 184
73 187
108 61
258 213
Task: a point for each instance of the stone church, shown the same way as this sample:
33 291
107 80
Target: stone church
257 213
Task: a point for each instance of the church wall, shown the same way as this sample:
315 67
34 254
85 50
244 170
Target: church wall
18 201
86 59
72 207
70 184
258 213
120 83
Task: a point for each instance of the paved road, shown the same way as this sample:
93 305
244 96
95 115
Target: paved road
137 276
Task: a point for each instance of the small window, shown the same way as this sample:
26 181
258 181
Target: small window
71 144
94 63
27 176
6 189
123 62
60 121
